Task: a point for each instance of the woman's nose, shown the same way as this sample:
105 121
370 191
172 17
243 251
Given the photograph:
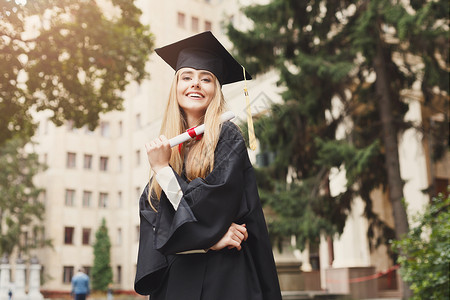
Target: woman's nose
196 82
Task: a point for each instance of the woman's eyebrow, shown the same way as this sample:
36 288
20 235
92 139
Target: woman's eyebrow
186 72
206 73
192 72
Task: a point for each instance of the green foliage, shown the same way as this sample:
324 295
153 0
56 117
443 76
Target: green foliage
324 53
425 252
21 210
68 57
101 269
341 154
288 202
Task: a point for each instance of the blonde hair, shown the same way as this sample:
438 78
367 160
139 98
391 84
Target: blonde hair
200 161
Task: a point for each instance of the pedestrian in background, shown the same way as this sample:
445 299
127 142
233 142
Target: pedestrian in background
109 292
80 285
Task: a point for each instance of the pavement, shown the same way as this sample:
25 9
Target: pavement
321 295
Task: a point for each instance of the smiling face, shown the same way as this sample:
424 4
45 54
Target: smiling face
195 90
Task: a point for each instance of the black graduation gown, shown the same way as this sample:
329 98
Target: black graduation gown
207 209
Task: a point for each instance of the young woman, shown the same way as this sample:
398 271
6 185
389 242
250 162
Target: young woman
202 232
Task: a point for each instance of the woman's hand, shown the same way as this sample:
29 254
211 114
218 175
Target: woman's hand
158 152
235 235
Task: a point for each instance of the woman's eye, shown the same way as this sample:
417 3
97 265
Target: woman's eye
186 78
206 79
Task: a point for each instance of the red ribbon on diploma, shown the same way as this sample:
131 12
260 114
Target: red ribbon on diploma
192 134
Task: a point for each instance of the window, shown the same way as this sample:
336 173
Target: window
87 270
119 199
194 24
137 233
208 26
35 236
119 236
68 235
46 126
264 159
441 185
120 128
103 200
138 192
87 198
88 131
43 197
119 274
104 129
43 235
138 121
26 239
181 20
138 157
87 161
86 236
119 162
67 274
70 197
71 159
70 127
103 163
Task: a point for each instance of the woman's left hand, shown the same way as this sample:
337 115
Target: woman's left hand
158 152
234 237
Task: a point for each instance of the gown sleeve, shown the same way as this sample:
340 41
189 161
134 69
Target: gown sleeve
208 206
169 184
151 264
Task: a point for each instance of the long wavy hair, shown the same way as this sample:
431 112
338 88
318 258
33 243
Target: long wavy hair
200 160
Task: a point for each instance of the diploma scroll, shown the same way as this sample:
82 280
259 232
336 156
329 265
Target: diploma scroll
193 132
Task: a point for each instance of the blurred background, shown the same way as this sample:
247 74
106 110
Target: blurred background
350 104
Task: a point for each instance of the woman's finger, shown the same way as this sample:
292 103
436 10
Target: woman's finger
234 244
236 239
238 234
157 142
242 229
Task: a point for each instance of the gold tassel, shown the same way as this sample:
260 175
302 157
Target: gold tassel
251 129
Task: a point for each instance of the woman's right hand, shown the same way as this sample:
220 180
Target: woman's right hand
158 152
235 235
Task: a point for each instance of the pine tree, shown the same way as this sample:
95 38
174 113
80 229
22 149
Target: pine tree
362 56
101 269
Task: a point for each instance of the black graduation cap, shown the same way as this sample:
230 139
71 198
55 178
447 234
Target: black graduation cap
203 52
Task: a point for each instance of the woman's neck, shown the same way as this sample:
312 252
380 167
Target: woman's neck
193 120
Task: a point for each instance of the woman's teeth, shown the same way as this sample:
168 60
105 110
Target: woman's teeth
195 95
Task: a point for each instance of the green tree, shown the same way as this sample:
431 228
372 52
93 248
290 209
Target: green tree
21 210
363 56
101 268
73 58
425 251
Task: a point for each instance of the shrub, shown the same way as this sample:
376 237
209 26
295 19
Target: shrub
424 253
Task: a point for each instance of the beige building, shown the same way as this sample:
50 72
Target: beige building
100 174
